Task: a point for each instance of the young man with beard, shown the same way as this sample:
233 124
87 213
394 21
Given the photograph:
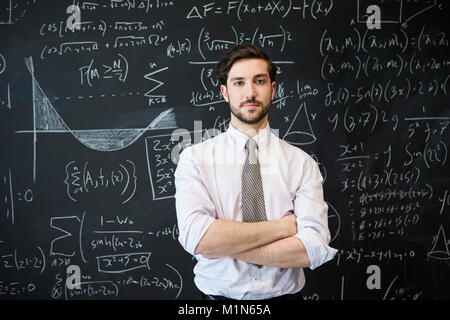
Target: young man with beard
255 222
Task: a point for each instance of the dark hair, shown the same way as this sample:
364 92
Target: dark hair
238 52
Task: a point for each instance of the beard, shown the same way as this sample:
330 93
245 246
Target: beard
253 116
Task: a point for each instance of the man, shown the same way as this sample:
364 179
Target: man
250 206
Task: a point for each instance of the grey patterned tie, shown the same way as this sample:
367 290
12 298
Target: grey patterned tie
253 208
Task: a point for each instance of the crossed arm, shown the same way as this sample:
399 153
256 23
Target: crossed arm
270 243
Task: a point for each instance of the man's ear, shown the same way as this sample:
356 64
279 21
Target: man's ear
274 89
224 91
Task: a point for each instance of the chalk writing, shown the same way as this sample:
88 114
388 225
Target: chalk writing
94 118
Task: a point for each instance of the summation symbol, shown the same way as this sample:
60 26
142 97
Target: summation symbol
152 98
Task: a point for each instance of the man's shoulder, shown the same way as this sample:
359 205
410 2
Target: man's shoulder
204 146
295 152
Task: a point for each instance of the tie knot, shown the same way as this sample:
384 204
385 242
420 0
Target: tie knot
251 146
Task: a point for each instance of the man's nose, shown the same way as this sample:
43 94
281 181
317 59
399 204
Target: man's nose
250 91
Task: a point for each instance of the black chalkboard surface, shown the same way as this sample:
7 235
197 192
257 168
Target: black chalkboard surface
97 98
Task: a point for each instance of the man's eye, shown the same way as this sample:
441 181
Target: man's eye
238 83
260 81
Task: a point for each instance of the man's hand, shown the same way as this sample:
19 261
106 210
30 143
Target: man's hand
289 224
286 252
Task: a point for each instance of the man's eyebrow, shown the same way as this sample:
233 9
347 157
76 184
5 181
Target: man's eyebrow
259 75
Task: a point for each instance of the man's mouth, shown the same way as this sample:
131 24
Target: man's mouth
250 105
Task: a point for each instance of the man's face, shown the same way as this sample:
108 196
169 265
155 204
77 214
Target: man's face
249 90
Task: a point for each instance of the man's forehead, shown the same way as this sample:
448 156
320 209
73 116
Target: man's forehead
249 68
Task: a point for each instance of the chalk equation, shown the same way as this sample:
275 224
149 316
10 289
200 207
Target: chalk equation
80 179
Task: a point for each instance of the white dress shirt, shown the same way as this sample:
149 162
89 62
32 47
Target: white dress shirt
208 187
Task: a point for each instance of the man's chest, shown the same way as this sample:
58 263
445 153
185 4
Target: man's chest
224 185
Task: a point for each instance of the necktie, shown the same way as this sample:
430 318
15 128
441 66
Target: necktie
253 208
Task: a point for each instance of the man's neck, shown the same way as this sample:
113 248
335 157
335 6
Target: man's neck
250 130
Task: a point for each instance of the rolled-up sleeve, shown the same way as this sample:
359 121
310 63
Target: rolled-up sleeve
195 210
312 215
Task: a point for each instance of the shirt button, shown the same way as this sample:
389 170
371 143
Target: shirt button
255 279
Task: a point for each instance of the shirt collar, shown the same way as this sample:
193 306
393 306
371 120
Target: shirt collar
239 138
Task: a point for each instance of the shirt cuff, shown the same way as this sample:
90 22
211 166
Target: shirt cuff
316 247
193 231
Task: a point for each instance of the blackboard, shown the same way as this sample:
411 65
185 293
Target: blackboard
88 109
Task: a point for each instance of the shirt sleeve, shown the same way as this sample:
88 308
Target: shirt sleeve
312 216
195 210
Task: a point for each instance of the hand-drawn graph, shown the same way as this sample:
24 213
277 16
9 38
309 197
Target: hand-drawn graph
47 120
400 11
